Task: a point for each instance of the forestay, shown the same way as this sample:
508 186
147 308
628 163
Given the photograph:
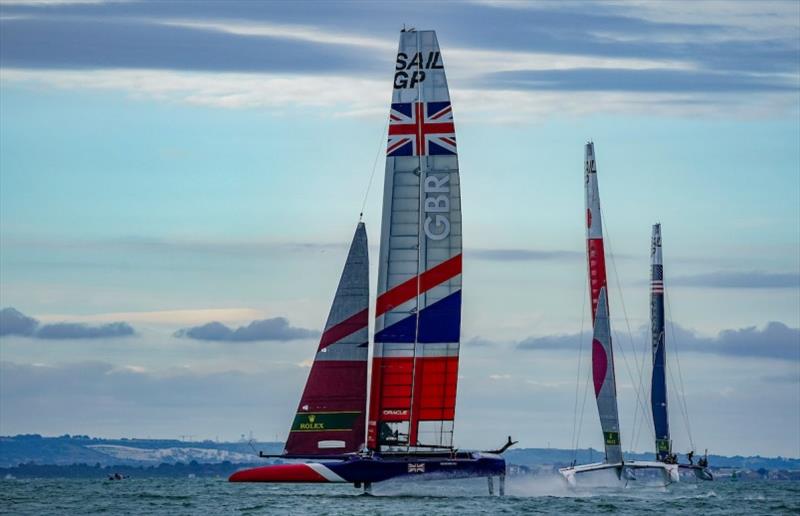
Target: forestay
418 309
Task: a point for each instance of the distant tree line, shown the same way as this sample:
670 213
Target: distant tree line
33 470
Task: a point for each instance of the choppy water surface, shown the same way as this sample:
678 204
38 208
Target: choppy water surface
525 495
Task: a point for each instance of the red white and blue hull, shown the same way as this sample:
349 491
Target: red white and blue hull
377 468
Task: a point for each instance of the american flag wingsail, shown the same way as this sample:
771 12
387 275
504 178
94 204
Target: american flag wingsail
658 385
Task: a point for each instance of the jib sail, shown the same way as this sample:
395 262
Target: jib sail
331 416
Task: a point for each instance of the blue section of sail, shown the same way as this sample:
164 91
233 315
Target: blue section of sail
658 392
403 331
435 107
403 150
403 107
439 322
438 150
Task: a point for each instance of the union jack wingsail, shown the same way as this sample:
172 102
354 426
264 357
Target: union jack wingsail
418 314
418 309
331 416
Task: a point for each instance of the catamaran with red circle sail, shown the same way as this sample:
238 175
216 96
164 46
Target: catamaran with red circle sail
603 373
407 430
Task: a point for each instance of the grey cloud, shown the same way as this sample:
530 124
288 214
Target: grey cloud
654 80
105 399
739 279
84 331
277 328
510 255
775 340
567 341
157 246
128 34
479 342
14 322
783 378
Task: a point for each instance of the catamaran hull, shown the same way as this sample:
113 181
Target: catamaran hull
699 471
624 471
363 470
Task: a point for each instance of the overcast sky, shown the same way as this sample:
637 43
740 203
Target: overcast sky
179 183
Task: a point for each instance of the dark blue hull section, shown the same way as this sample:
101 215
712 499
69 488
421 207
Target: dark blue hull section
377 468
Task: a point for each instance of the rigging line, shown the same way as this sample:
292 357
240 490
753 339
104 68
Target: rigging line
639 429
681 396
374 167
680 373
420 240
578 379
681 408
583 411
637 386
642 378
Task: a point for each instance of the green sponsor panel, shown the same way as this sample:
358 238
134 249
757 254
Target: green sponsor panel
324 421
662 445
611 437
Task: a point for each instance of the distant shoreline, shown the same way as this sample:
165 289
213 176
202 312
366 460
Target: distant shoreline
32 455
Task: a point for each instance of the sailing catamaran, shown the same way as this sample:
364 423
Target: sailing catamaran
603 375
418 314
658 386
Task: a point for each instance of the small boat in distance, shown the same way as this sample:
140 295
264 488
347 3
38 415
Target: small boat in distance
603 375
410 423
658 386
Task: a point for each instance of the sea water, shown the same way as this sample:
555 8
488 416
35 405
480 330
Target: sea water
524 495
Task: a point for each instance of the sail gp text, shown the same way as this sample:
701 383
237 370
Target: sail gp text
437 206
404 77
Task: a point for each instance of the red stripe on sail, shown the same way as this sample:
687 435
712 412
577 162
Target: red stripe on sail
343 329
332 386
435 384
408 289
597 270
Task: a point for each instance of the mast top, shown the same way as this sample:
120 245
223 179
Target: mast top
589 150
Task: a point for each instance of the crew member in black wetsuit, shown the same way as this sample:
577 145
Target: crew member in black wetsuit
690 457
